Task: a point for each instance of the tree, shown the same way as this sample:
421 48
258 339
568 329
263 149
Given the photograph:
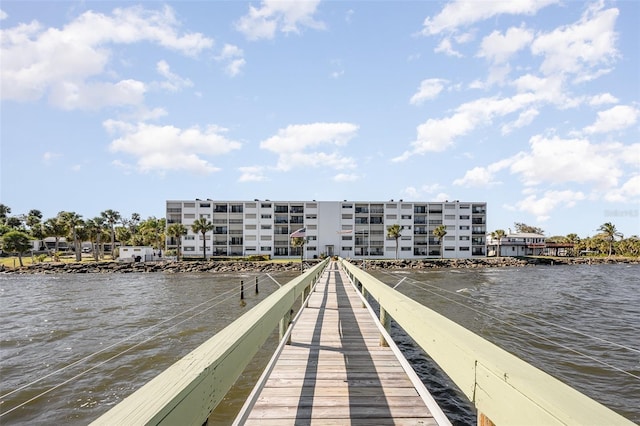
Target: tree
152 231
56 228
5 211
34 218
439 232
16 242
177 230
95 228
72 220
111 217
394 232
498 235
523 228
573 239
610 233
202 226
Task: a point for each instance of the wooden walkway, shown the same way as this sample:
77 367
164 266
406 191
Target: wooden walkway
335 372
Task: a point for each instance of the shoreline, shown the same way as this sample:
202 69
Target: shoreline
231 266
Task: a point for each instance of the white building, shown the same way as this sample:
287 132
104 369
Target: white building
520 244
351 229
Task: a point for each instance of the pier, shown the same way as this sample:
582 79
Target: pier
337 364
335 368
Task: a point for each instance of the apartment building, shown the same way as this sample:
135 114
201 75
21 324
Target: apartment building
351 229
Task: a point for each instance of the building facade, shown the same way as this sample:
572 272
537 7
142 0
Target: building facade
519 244
351 229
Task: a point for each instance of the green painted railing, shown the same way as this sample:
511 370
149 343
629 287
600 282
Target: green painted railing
188 391
503 387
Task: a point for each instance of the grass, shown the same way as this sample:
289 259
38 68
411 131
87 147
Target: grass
14 262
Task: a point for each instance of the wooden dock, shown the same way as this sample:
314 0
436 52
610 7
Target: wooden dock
334 371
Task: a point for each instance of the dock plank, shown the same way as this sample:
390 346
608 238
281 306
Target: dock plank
334 371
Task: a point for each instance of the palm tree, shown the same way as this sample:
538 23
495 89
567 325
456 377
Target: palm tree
111 217
498 235
56 228
202 226
177 230
573 239
395 232
72 220
95 229
439 233
16 242
610 233
152 231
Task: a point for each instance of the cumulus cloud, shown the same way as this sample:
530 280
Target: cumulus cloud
541 207
233 57
617 118
168 148
173 82
429 89
306 145
462 13
69 64
498 47
252 174
276 15
581 48
346 177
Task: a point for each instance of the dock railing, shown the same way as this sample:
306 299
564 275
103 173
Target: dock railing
188 391
505 389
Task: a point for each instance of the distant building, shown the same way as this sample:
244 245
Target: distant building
521 244
351 229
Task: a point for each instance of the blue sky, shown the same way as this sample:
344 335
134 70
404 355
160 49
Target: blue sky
531 106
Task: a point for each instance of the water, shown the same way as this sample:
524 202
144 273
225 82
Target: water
88 341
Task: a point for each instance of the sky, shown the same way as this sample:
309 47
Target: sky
530 106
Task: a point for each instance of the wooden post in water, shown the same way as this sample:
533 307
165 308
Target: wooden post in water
385 320
257 285
241 289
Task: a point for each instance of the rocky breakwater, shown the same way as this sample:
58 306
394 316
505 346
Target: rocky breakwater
489 262
167 267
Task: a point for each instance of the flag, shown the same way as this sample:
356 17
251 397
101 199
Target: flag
300 233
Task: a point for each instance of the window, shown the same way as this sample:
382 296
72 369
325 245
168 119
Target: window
347 248
464 238
405 216
187 248
464 228
265 226
189 216
205 205
464 217
189 237
464 248
265 216
265 206
265 248
189 205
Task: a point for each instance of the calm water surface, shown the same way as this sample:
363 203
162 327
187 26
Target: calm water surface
72 346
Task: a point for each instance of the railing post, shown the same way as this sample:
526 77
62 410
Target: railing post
284 325
385 320
364 296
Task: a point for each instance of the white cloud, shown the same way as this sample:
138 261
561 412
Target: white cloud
3 15
446 47
414 193
628 192
173 82
300 145
499 48
278 15
617 118
65 63
252 174
48 157
541 207
436 135
463 13
164 148
524 119
579 48
483 177
429 89
346 177
558 160
603 98
233 56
